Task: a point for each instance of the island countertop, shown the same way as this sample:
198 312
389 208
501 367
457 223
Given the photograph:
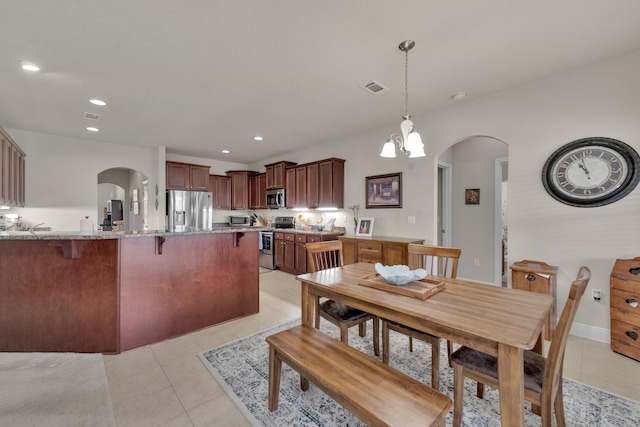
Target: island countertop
99 235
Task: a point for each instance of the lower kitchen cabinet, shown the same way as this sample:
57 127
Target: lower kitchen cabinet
291 252
385 250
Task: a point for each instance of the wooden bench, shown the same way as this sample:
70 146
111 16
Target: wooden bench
377 394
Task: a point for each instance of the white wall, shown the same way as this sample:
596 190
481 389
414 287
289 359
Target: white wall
534 119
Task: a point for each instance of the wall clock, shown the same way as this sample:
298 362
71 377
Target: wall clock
591 172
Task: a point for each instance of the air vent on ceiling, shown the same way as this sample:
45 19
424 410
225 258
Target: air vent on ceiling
91 116
375 88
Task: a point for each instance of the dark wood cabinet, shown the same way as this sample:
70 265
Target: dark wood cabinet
331 183
258 192
276 174
316 185
313 185
220 188
240 189
12 171
285 256
291 250
385 250
290 188
185 176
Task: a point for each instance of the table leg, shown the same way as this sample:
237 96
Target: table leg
306 305
511 376
536 409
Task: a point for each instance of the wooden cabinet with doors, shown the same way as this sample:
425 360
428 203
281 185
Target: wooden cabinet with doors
625 308
318 184
290 187
185 176
220 188
539 277
258 192
240 189
331 183
385 250
291 250
276 174
12 171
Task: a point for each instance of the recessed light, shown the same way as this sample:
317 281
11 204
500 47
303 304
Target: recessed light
225 151
92 129
458 96
98 102
29 66
258 138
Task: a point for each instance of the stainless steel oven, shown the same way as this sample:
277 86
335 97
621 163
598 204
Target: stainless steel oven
267 247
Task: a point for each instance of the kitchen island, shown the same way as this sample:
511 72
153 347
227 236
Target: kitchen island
110 292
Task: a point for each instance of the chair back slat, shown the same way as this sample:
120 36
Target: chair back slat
555 356
324 255
437 260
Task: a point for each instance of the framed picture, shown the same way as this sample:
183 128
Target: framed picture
472 196
384 191
365 227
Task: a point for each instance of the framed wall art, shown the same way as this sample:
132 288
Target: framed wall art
472 196
365 227
384 191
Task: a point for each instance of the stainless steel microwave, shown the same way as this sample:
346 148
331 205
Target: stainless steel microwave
275 199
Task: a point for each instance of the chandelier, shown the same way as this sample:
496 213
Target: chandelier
409 141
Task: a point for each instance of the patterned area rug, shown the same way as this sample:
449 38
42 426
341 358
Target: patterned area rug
241 367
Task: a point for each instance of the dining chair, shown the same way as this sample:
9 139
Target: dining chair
439 261
542 375
328 254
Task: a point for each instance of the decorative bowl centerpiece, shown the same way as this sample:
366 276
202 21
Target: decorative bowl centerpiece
399 274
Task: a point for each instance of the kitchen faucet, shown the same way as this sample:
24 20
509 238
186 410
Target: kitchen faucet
32 230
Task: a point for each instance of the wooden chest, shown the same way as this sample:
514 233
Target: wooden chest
625 312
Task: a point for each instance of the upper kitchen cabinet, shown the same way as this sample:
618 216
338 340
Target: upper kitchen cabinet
240 189
290 187
319 184
258 192
220 187
12 164
185 176
331 183
276 174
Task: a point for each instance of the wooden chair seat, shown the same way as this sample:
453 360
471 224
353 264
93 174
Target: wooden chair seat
542 375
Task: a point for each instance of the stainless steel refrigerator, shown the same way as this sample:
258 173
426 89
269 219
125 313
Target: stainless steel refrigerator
189 210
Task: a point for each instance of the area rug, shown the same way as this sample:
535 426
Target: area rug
54 389
241 367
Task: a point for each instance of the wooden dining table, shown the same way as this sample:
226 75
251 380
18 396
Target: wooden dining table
499 321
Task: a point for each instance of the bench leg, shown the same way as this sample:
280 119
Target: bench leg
275 371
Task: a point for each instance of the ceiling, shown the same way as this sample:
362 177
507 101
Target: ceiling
201 76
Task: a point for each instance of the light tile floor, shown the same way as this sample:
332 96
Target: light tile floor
165 384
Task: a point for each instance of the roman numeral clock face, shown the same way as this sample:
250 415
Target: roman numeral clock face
591 172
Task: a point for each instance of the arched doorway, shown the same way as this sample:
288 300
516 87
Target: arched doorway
471 163
131 188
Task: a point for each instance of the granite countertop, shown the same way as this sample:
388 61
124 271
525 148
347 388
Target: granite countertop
97 235
311 232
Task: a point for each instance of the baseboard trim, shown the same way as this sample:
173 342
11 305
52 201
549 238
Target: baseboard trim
594 333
